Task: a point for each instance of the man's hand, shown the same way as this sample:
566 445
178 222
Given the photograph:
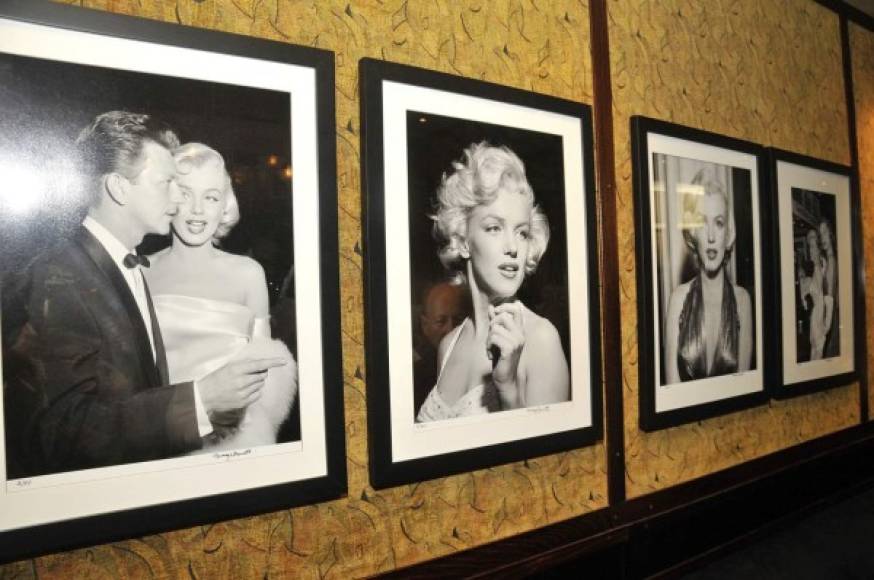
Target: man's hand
235 386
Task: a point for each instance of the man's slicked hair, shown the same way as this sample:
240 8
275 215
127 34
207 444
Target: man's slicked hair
114 141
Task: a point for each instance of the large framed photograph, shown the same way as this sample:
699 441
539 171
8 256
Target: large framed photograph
483 342
168 258
815 293
701 272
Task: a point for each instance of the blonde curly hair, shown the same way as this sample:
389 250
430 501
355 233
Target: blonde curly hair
477 179
193 156
705 183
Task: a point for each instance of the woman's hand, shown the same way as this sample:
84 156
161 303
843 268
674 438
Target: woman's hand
505 341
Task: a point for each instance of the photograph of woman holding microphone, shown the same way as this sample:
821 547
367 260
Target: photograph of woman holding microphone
492 234
482 276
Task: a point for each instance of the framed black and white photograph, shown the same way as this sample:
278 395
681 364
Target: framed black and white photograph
815 294
701 283
168 258
482 312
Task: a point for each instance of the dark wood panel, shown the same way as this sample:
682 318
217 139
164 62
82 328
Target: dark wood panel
605 163
661 531
860 337
851 12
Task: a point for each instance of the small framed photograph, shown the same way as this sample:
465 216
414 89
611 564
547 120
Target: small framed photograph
168 258
815 292
702 280
482 316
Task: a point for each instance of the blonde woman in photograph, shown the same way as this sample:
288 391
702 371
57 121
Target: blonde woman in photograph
814 297
503 356
830 270
708 327
212 305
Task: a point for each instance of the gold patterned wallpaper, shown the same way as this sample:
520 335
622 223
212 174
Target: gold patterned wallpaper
769 72
745 68
862 47
538 45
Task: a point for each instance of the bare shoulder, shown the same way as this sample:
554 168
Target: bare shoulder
678 296
676 301
447 340
539 330
242 266
742 297
543 365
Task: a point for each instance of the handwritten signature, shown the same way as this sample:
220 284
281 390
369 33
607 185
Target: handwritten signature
232 454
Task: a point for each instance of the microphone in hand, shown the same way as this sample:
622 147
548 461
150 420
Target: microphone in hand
494 352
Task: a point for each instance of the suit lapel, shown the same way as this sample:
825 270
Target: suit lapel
105 264
160 352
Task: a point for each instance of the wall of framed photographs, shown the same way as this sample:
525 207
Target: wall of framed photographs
751 74
862 46
371 531
746 75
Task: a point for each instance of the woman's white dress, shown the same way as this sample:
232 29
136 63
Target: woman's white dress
201 335
478 399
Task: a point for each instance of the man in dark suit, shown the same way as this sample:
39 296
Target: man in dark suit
88 362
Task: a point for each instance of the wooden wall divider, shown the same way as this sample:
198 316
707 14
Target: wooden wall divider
605 180
860 338
664 529
848 12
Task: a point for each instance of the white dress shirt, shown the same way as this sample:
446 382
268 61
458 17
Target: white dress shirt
136 282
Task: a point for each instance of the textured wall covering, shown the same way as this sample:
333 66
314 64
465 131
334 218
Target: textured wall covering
862 51
765 71
769 72
533 44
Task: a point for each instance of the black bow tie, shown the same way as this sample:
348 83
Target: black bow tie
133 260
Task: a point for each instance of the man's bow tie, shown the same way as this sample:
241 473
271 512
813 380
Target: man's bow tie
133 260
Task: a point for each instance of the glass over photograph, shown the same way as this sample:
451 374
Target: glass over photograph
162 361
488 266
481 274
706 269
147 267
817 294
817 318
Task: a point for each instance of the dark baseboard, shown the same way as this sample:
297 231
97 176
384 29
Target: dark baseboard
758 534
685 526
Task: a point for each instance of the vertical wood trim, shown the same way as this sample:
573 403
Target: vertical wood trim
605 163
854 14
861 336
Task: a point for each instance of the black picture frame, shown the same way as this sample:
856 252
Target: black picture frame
95 41
806 189
743 166
460 111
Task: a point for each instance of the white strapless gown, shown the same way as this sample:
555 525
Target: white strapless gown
478 400
201 335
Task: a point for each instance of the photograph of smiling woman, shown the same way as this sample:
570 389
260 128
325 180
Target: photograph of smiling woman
492 236
213 306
